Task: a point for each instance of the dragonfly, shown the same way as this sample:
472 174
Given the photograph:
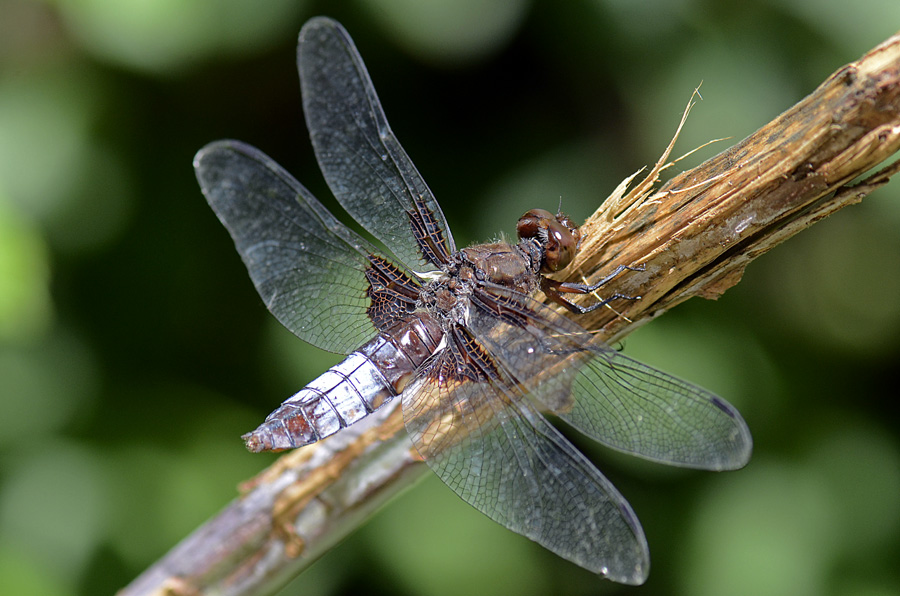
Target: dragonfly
456 334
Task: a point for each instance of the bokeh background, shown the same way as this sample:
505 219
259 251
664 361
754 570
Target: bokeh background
134 351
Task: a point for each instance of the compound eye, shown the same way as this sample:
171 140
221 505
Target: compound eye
560 246
570 225
531 224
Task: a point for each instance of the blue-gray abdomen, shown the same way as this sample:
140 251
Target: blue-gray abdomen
352 389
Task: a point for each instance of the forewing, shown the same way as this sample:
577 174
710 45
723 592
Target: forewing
608 396
488 444
365 166
309 269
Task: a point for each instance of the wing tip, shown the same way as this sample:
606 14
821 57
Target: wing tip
219 146
321 23
627 570
741 438
637 576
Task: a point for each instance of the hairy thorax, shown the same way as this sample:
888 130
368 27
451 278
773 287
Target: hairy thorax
497 264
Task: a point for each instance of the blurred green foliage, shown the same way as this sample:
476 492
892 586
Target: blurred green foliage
134 351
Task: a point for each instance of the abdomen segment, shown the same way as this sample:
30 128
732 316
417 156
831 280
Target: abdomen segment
351 390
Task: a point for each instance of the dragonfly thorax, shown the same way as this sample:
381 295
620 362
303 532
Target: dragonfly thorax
502 264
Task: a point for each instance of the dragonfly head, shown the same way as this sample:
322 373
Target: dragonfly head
558 237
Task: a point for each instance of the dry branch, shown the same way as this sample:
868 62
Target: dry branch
695 236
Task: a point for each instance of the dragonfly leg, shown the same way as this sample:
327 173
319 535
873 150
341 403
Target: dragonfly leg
555 290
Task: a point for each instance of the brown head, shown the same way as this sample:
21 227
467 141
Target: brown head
557 235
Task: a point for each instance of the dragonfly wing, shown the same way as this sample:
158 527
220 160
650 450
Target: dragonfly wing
312 272
366 168
608 396
488 443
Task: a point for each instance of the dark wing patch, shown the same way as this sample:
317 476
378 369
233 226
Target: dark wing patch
502 304
429 234
473 362
392 293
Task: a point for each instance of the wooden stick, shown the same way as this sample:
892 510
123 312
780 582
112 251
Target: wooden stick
698 232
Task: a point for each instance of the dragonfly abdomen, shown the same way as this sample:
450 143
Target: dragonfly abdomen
350 390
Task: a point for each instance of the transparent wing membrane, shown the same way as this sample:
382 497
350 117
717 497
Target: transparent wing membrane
365 166
308 268
613 399
502 457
